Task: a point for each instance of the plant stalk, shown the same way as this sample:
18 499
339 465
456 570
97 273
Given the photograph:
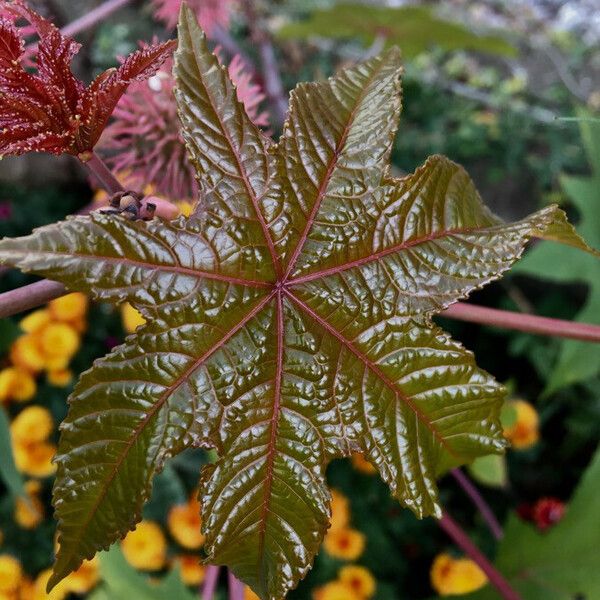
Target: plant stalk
236 587
30 296
210 582
103 174
494 317
486 512
461 539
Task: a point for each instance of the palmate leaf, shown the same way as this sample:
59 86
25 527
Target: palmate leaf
288 323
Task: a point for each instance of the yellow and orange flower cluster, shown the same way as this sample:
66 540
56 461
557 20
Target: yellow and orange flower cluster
353 583
341 540
525 431
32 451
454 576
51 337
15 585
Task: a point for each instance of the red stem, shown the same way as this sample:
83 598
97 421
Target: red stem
103 174
486 512
29 296
236 587
523 322
461 539
210 582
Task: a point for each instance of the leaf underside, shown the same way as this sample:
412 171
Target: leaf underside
288 323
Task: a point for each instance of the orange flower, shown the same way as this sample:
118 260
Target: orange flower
11 575
249 594
358 579
346 544
32 424
360 463
340 510
185 524
85 578
524 432
16 384
60 377
450 576
335 590
27 354
192 572
59 340
59 592
131 318
29 511
145 548
35 321
35 459
71 308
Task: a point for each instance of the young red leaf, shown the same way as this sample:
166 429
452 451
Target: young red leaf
51 110
288 322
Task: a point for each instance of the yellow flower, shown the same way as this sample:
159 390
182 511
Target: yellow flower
450 576
524 432
16 384
59 340
358 579
184 523
249 594
26 353
60 377
29 511
192 572
360 463
35 459
35 321
71 308
11 574
85 578
340 510
335 590
32 424
131 318
145 548
346 544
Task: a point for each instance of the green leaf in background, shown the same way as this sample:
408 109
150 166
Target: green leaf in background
8 471
562 563
288 323
490 470
120 581
413 28
576 361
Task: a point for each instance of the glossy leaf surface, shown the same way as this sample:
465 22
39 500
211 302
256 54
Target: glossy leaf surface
288 323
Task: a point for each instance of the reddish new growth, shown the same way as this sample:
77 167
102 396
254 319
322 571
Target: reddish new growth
545 513
210 13
50 110
144 143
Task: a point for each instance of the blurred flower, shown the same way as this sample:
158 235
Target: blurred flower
16 384
35 321
145 547
345 544
29 432
358 579
450 576
51 110
85 578
548 512
58 341
192 572
131 318
185 524
144 140
59 592
209 12
29 511
524 432
249 594
32 424
335 590
11 574
340 510
26 353
71 309
60 377
360 463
